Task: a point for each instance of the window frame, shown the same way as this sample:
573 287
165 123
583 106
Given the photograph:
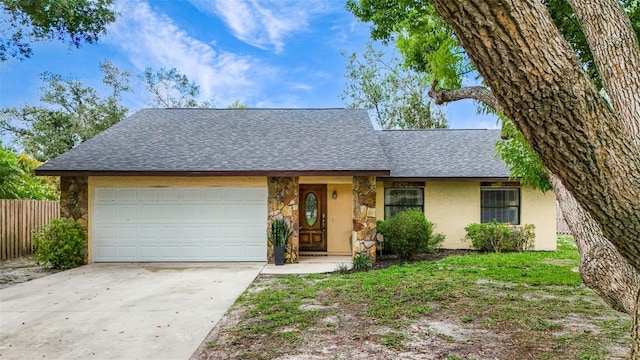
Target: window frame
518 206
387 205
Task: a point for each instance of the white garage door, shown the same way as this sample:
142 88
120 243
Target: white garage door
179 224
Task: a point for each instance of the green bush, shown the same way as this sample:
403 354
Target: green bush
362 262
61 244
409 233
499 237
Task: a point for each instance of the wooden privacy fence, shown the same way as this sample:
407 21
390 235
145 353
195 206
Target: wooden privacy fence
18 219
561 226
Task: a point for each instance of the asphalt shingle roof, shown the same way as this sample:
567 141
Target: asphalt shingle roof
230 140
279 140
444 153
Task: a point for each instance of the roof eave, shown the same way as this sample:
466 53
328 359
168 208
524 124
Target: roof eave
46 172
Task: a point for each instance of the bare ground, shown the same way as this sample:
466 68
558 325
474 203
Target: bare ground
342 334
17 271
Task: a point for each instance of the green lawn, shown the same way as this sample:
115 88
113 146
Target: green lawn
508 306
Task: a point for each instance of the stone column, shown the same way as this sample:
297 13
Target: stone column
74 199
283 204
364 216
74 202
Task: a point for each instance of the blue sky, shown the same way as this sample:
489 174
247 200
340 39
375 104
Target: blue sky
264 53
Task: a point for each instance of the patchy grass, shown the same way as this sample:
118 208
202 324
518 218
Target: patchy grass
510 306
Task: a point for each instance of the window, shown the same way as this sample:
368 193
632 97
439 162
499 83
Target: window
400 199
500 204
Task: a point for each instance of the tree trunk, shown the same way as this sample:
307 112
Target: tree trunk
602 268
541 87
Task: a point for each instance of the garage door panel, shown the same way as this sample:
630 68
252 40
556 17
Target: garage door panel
179 224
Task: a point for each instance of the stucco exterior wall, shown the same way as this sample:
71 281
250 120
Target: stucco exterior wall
180 181
539 209
339 223
452 205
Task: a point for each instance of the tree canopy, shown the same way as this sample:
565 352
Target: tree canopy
397 96
72 113
18 180
72 21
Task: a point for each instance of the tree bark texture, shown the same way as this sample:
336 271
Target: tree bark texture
541 87
617 56
602 268
478 93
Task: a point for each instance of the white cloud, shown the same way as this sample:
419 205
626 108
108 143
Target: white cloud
265 23
153 40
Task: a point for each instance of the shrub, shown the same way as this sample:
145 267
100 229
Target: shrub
362 262
499 237
61 244
409 233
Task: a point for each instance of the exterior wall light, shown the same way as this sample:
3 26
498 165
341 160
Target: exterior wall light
334 195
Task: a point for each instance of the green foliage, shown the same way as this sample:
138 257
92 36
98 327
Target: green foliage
70 21
60 244
280 232
171 89
520 158
18 180
426 42
73 113
237 104
409 233
362 262
396 95
498 237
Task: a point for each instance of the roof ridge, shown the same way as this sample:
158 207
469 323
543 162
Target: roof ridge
218 109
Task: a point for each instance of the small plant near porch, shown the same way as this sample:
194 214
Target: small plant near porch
280 234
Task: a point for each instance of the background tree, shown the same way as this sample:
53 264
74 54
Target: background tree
71 113
560 115
71 21
396 95
168 88
18 180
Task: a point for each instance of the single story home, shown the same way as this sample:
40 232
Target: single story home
204 184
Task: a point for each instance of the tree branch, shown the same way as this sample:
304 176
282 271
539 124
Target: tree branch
478 93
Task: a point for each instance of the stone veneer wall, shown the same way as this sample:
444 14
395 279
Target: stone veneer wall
364 215
74 201
283 203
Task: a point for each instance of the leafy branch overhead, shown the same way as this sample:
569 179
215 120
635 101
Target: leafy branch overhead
72 21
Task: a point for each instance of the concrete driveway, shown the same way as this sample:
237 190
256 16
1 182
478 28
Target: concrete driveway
119 311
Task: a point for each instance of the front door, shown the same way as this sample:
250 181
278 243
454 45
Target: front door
313 218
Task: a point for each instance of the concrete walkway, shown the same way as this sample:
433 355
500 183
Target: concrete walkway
310 265
119 311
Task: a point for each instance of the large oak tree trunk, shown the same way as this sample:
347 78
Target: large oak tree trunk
591 147
541 87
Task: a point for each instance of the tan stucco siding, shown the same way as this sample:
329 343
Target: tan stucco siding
326 180
147 181
339 219
380 200
539 209
451 206
168 181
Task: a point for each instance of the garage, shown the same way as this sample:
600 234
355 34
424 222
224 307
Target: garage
179 224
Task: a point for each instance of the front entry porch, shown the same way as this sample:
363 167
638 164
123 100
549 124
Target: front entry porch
329 215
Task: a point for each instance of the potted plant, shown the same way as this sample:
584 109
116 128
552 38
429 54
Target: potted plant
280 233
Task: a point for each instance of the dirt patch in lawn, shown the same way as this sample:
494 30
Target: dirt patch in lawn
17 271
420 310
